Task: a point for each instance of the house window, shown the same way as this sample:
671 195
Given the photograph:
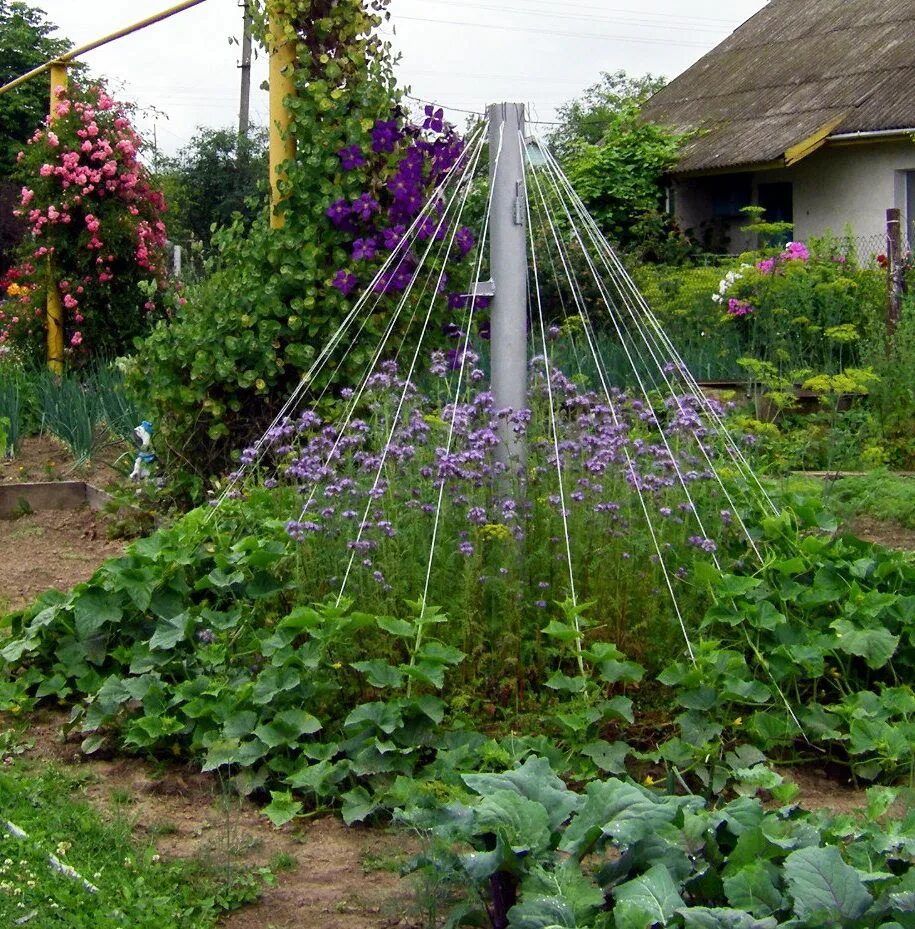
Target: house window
778 202
910 207
730 194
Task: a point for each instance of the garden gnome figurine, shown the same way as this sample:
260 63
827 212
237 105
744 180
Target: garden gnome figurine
142 465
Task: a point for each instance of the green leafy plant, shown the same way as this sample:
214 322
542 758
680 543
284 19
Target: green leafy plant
617 854
809 657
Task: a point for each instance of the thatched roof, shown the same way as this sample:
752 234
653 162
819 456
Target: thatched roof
793 74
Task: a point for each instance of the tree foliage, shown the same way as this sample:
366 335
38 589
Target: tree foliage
616 160
589 118
213 177
25 43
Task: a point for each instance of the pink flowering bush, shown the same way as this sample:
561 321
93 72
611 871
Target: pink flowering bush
95 228
804 308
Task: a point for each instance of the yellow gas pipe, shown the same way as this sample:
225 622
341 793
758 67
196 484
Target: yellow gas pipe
282 85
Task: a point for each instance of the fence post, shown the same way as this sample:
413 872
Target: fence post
282 84
55 310
895 272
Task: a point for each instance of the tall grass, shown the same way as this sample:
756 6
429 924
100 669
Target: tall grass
83 409
12 412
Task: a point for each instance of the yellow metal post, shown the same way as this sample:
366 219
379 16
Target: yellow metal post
282 85
55 310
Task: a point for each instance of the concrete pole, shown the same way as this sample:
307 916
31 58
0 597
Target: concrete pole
508 260
55 311
244 103
282 84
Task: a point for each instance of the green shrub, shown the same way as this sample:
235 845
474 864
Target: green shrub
217 372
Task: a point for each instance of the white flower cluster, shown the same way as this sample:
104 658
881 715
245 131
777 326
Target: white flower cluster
727 282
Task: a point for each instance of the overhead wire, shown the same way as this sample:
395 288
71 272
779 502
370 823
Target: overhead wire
668 21
597 37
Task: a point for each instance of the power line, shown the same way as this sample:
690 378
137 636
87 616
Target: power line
603 37
455 109
671 21
582 82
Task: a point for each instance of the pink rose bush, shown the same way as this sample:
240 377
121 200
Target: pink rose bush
95 229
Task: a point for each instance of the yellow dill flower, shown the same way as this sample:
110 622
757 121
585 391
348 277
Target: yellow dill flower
495 532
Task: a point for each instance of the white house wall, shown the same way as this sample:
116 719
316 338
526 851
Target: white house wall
837 187
848 185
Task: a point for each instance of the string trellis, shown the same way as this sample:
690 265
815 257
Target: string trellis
614 454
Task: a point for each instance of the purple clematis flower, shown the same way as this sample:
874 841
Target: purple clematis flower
393 236
435 118
351 157
365 249
464 240
385 135
338 213
345 282
364 206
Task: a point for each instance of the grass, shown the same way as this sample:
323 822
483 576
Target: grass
133 886
883 496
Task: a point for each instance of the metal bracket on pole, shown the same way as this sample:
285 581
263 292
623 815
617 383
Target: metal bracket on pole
508 259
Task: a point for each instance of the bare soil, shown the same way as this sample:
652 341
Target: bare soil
891 535
54 548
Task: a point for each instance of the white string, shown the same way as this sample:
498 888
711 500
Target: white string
357 396
553 426
453 423
589 335
659 365
775 683
618 271
635 370
420 630
261 445
407 382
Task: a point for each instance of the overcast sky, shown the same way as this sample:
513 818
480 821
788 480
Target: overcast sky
460 53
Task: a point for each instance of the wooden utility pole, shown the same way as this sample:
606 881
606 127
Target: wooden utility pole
282 85
895 272
55 310
244 104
